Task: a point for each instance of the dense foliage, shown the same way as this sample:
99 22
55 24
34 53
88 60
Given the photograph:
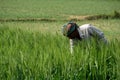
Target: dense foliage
32 55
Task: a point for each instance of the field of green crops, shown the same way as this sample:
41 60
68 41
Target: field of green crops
56 9
32 55
37 50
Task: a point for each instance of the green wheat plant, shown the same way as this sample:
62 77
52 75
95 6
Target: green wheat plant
32 55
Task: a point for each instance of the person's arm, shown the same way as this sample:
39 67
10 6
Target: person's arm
71 45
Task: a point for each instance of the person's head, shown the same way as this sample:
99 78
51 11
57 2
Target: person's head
69 30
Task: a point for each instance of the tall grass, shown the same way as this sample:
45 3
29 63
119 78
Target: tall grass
36 56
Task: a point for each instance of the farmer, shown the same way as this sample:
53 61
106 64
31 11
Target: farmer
83 32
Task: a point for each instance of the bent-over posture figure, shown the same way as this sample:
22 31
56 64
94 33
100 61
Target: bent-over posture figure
83 32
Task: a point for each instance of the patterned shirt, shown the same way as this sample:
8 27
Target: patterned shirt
87 31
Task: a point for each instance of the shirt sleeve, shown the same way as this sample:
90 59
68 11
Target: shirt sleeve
71 45
95 32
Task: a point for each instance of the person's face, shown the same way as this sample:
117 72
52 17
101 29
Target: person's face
73 34
69 26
